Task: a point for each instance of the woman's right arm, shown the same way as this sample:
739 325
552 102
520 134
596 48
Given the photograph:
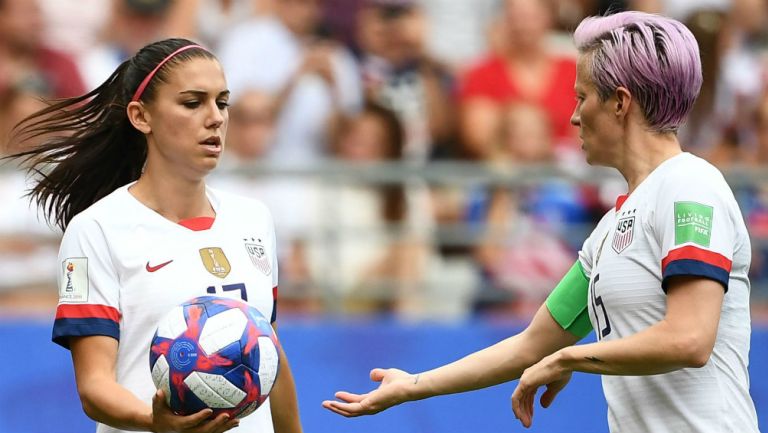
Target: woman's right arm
106 401
502 362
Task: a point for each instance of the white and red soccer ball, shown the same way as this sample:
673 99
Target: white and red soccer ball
217 353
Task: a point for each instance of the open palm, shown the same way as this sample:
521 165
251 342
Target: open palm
391 392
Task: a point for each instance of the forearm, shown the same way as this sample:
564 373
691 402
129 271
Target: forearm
107 402
499 363
658 349
284 405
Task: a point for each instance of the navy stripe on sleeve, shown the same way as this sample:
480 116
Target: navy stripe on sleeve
81 327
694 268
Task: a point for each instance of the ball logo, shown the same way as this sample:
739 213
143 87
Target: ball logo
183 355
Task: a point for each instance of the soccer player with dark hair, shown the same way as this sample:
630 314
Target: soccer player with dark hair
122 170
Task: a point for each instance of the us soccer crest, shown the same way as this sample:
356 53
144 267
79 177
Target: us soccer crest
258 255
215 261
625 230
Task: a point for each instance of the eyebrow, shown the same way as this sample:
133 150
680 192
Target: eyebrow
203 92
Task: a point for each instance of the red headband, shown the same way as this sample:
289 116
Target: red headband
149 76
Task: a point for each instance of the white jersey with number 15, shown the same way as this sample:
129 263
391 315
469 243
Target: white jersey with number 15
681 220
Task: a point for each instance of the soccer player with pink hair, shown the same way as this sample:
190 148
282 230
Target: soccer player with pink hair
663 277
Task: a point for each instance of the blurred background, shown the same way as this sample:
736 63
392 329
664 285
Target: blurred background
427 188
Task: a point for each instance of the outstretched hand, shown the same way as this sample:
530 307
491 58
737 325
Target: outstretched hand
394 389
547 373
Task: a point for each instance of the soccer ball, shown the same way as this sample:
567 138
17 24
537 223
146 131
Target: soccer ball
216 353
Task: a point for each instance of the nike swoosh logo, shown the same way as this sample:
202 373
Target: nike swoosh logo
158 267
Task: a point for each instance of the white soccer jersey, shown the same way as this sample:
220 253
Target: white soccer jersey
123 266
681 220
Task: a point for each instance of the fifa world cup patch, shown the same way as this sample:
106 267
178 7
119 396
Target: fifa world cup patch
693 223
74 281
215 261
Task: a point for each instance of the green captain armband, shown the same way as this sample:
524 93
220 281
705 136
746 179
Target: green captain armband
568 302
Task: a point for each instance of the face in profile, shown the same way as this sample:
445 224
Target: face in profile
186 121
599 130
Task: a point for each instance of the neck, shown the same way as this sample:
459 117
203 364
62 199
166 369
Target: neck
643 152
9 53
172 197
525 54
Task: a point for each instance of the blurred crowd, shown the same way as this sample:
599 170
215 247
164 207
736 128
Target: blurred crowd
408 84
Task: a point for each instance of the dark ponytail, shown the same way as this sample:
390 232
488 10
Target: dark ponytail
90 148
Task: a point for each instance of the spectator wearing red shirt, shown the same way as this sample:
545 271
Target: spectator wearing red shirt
25 59
524 70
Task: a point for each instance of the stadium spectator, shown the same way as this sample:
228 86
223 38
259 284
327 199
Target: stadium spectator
24 57
526 69
524 252
206 20
27 244
458 31
708 123
315 81
74 26
734 158
131 25
398 74
381 256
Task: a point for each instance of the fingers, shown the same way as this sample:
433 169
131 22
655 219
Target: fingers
522 404
230 425
348 410
552 390
377 374
220 424
198 422
351 405
198 418
348 397
158 400
547 397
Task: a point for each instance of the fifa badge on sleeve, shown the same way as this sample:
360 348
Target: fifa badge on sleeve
74 281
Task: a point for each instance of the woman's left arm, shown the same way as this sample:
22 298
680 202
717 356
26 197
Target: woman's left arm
284 406
683 339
